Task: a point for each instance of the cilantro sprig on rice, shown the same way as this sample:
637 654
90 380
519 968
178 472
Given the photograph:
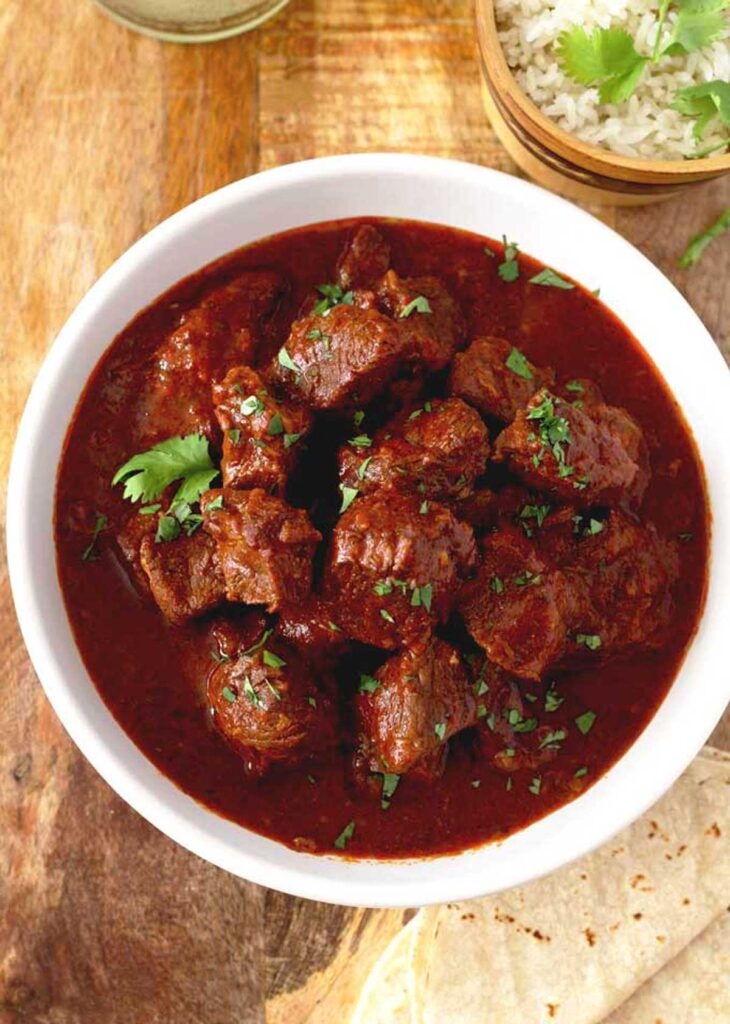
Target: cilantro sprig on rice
609 59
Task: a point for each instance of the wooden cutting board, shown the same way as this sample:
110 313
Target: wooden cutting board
104 133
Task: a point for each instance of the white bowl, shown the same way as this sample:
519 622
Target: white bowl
422 188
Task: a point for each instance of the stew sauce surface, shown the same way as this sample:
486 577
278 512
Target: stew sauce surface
152 675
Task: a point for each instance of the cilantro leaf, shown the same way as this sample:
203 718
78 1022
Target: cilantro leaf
419 305
706 102
694 29
509 269
348 496
607 58
148 474
89 554
550 279
698 243
286 360
345 834
517 363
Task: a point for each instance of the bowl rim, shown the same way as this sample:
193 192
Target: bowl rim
595 158
676 732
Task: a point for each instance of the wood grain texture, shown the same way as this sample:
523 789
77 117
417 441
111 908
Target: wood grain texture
102 919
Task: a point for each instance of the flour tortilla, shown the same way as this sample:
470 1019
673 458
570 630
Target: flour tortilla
694 988
572 947
385 998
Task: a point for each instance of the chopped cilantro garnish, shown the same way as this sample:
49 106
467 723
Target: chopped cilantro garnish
363 467
536 785
509 269
382 587
386 615
234 435
146 476
481 687
517 363
585 721
698 243
496 584
149 510
272 689
100 524
272 660
228 694
276 425
348 496
418 305
440 730
259 643
311 778
508 783
579 773
361 441
312 701
552 699
286 360
368 684
475 783
481 711
332 295
390 784
590 640
334 627
252 406
249 690
528 578
552 740
215 505
358 417
423 508
345 835
291 439
491 721
422 596
575 386
549 279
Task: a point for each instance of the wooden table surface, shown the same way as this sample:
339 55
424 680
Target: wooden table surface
104 133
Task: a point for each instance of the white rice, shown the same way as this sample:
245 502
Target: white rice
642 126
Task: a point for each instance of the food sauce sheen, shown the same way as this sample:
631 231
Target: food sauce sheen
152 676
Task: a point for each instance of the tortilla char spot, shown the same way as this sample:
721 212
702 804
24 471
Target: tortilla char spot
661 938
590 936
637 916
713 830
686 901
552 1009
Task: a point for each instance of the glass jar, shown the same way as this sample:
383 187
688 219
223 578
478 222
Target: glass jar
191 21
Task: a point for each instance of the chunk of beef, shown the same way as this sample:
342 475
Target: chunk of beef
434 333
365 258
590 456
628 571
424 696
480 375
223 330
507 732
438 452
520 608
392 571
579 588
129 539
264 546
343 358
269 708
260 432
184 574
311 625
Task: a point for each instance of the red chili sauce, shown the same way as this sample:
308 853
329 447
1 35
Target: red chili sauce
152 675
